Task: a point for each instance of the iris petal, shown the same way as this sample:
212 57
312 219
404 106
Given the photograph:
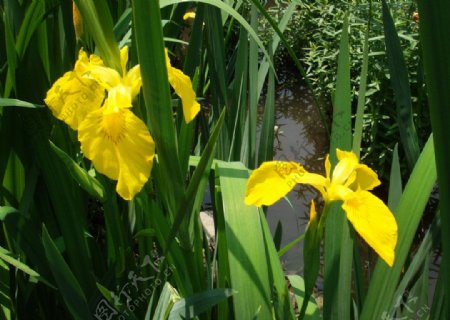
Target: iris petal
120 146
71 98
96 145
343 169
121 90
271 181
375 223
366 178
124 59
182 86
328 167
337 192
136 155
313 179
341 154
85 63
106 77
120 97
189 15
133 80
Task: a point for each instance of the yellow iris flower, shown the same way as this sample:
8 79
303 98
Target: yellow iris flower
112 137
350 182
189 15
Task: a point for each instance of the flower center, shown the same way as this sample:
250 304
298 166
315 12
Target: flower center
114 125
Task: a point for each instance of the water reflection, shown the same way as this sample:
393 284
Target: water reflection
302 138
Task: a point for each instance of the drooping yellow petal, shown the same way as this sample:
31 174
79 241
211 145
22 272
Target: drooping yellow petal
271 181
136 157
120 146
182 85
166 55
375 223
97 146
72 98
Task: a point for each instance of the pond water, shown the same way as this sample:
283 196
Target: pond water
301 138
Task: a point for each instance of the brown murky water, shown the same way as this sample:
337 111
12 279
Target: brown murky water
302 138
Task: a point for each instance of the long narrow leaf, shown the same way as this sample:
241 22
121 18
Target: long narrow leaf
400 84
86 181
435 39
33 18
66 281
7 256
243 242
408 214
97 18
18 103
359 117
150 49
190 307
265 151
395 181
338 242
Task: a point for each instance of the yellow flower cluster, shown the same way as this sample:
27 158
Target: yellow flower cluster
96 101
350 183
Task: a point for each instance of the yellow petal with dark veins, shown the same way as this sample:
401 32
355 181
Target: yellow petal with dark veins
271 181
374 222
71 98
120 146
